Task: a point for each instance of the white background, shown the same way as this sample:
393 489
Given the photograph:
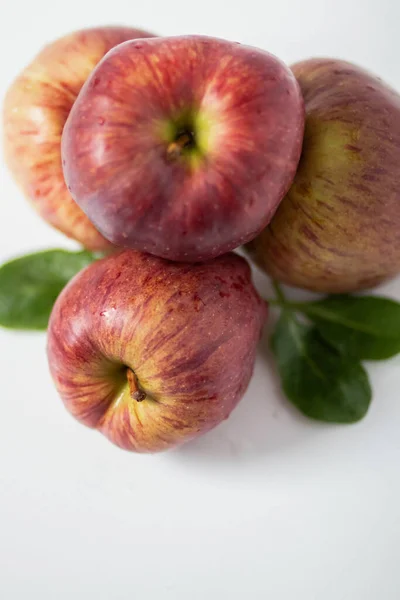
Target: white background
268 505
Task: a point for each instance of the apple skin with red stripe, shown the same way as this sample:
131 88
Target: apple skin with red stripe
36 107
153 353
338 228
183 147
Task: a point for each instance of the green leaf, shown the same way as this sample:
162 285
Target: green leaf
360 345
321 382
29 286
368 327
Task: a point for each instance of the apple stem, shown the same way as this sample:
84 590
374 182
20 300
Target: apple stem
135 391
175 149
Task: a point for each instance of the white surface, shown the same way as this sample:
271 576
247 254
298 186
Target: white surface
268 505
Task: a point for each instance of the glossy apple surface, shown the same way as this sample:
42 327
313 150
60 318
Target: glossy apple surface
35 110
338 228
154 353
183 147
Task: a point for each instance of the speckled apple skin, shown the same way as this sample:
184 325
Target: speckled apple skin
116 162
189 333
338 228
36 107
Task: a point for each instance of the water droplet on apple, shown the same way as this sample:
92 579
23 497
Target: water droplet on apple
101 120
106 312
138 46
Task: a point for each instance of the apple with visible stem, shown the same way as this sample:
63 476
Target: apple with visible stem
183 147
338 228
154 353
35 110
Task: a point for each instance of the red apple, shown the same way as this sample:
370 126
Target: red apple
183 147
338 228
36 107
154 353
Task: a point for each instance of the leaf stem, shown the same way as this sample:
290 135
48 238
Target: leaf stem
280 296
273 302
